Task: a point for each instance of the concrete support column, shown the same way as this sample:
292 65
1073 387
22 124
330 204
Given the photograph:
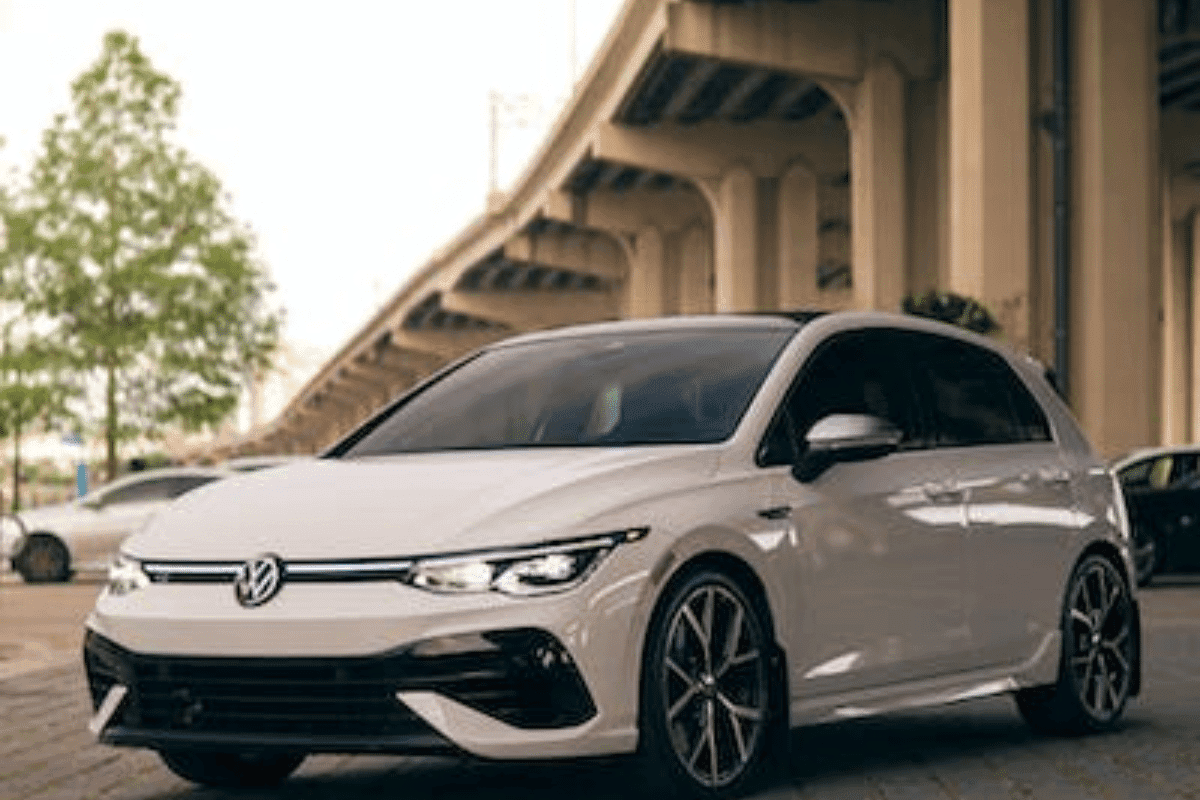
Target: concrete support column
1178 360
991 242
735 222
1116 232
646 274
878 188
1187 251
798 238
695 270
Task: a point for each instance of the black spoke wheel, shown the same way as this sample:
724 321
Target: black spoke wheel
1100 652
707 688
43 559
231 770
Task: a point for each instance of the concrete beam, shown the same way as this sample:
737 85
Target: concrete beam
628 212
817 39
535 310
589 254
380 374
832 39
706 151
446 345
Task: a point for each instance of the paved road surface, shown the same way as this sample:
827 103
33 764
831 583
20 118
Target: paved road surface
979 750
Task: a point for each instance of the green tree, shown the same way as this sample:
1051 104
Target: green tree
34 382
154 285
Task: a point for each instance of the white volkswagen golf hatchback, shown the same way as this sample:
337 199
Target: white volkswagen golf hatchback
677 537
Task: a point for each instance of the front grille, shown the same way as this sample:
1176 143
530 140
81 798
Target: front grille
304 697
523 677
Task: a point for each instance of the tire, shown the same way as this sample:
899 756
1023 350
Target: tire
709 691
231 770
43 559
1099 666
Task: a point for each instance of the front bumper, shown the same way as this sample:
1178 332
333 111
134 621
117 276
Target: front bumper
519 679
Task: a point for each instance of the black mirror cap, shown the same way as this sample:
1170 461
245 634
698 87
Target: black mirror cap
844 437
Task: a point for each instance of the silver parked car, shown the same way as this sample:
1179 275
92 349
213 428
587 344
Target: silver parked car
676 537
84 534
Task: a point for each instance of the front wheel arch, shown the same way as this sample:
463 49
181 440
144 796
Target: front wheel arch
747 581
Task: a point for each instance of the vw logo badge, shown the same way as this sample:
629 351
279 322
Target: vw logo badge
258 580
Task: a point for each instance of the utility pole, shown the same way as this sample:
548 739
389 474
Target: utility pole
573 52
505 111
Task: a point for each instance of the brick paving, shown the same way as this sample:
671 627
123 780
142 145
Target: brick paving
979 750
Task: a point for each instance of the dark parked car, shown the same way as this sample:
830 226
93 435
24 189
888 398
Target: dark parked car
1162 493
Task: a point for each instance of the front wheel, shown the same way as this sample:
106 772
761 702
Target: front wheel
707 689
231 770
1099 661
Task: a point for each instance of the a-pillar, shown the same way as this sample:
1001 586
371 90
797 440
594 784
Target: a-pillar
735 223
1178 359
798 238
878 188
646 274
990 231
1113 380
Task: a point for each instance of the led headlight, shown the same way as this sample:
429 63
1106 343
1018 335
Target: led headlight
542 569
126 575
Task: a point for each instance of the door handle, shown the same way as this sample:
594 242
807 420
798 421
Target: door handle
1055 477
776 512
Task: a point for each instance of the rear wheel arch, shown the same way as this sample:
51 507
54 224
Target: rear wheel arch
1109 551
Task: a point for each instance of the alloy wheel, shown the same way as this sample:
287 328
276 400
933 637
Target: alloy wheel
1101 640
715 684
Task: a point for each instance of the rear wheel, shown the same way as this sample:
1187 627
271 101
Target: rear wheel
707 696
1099 661
43 559
231 769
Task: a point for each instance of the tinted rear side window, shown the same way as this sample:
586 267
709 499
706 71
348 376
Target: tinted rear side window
975 398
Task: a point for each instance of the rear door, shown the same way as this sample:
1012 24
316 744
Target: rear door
1020 506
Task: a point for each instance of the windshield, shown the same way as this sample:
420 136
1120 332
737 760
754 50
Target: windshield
662 387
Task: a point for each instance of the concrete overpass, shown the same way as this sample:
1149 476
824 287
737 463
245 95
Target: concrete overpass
763 154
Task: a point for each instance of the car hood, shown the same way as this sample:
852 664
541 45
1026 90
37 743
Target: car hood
417 504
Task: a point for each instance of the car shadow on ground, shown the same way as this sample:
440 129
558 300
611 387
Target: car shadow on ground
861 751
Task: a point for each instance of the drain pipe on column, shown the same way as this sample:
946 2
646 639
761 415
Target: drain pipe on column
1060 131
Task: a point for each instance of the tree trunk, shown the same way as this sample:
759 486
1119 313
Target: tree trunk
16 488
110 424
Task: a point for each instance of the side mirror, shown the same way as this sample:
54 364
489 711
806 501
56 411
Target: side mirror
844 437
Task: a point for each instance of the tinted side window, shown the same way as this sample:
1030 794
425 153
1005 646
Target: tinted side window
186 483
1137 476
974 397
855 373
142 492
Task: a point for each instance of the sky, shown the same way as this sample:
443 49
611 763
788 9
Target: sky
352 136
